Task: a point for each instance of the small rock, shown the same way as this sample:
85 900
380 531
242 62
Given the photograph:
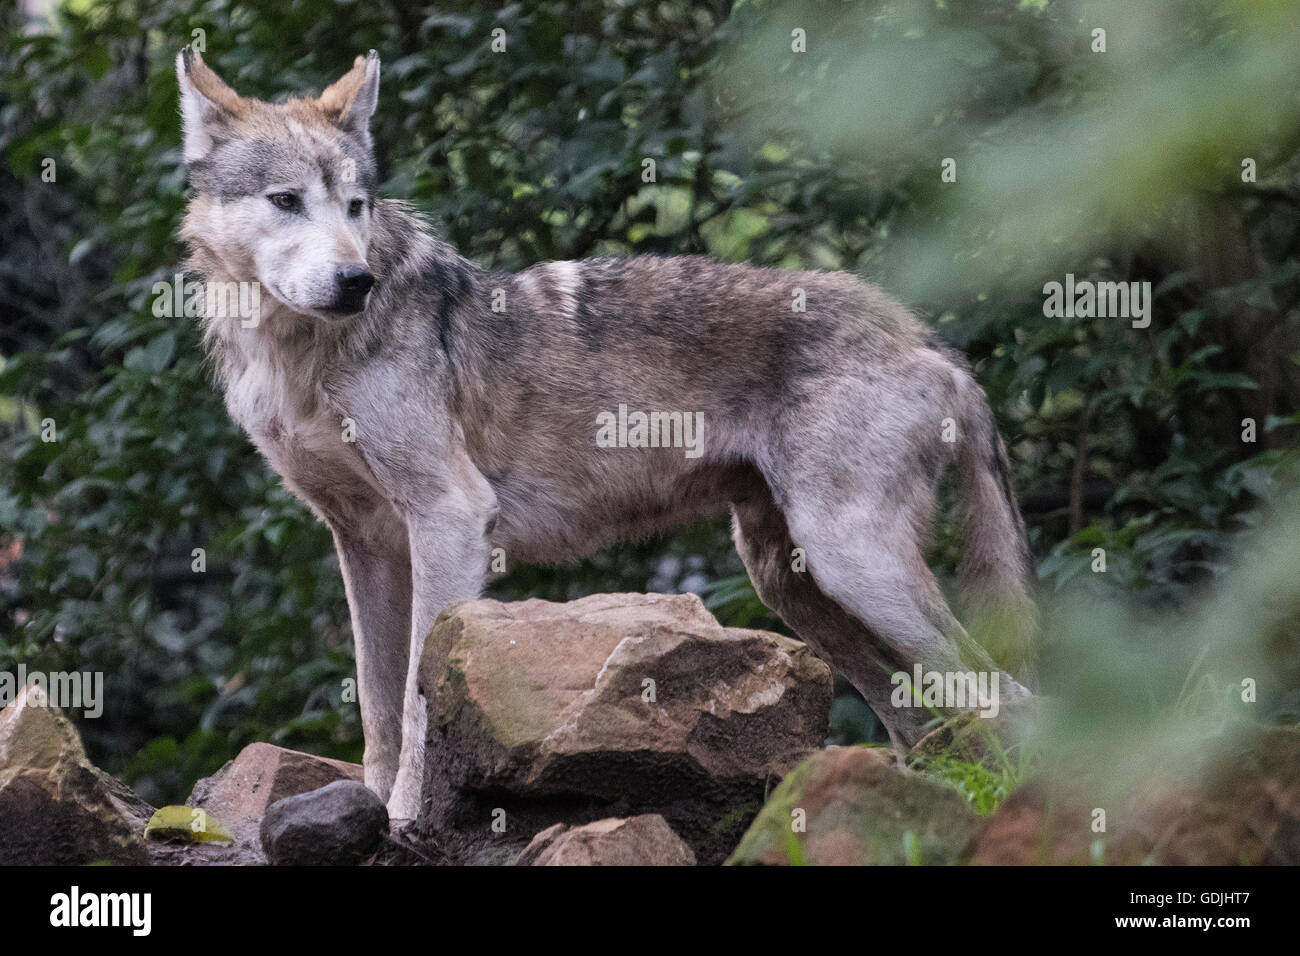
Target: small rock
339 824
852 806
242 790
261 774
645 840
56 807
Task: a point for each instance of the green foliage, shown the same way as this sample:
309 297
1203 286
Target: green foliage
985 783
982 787
1124 439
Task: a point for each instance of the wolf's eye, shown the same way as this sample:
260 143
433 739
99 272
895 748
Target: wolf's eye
286 201
355 207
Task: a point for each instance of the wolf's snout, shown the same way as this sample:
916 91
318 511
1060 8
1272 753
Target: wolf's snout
353 282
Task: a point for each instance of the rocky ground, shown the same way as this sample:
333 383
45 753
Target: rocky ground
626 730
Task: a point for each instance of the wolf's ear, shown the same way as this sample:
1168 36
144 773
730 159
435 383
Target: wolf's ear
206 103
350 101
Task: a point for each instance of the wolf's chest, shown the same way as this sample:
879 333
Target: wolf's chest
303 437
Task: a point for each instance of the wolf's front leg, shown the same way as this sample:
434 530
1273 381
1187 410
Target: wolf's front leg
449 555
376 569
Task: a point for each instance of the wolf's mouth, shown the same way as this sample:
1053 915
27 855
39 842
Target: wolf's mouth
345 308
342 307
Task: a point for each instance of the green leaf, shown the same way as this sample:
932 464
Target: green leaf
190 824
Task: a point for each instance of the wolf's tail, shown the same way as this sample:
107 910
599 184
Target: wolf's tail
995 565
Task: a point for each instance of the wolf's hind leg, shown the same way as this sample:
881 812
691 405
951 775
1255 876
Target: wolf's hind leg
838 637
866 601
874 568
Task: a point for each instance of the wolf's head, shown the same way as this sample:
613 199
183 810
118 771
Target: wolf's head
283 192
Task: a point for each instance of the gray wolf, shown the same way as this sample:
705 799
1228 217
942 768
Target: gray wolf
430 411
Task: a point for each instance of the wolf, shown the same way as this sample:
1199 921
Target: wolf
430 411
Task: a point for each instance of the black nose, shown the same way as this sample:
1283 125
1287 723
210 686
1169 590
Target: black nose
354 281
353 284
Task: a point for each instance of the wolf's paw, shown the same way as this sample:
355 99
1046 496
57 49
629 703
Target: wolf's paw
404 802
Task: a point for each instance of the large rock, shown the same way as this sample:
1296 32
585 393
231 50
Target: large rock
611 705
241 791
1241 808
55 806
339 824
645 840
850 806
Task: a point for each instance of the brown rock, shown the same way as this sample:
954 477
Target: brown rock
55 806
614 704
239 793
857 807
1243 808
1044 825
645 840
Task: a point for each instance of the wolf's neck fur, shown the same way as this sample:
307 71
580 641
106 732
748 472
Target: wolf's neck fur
424 290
